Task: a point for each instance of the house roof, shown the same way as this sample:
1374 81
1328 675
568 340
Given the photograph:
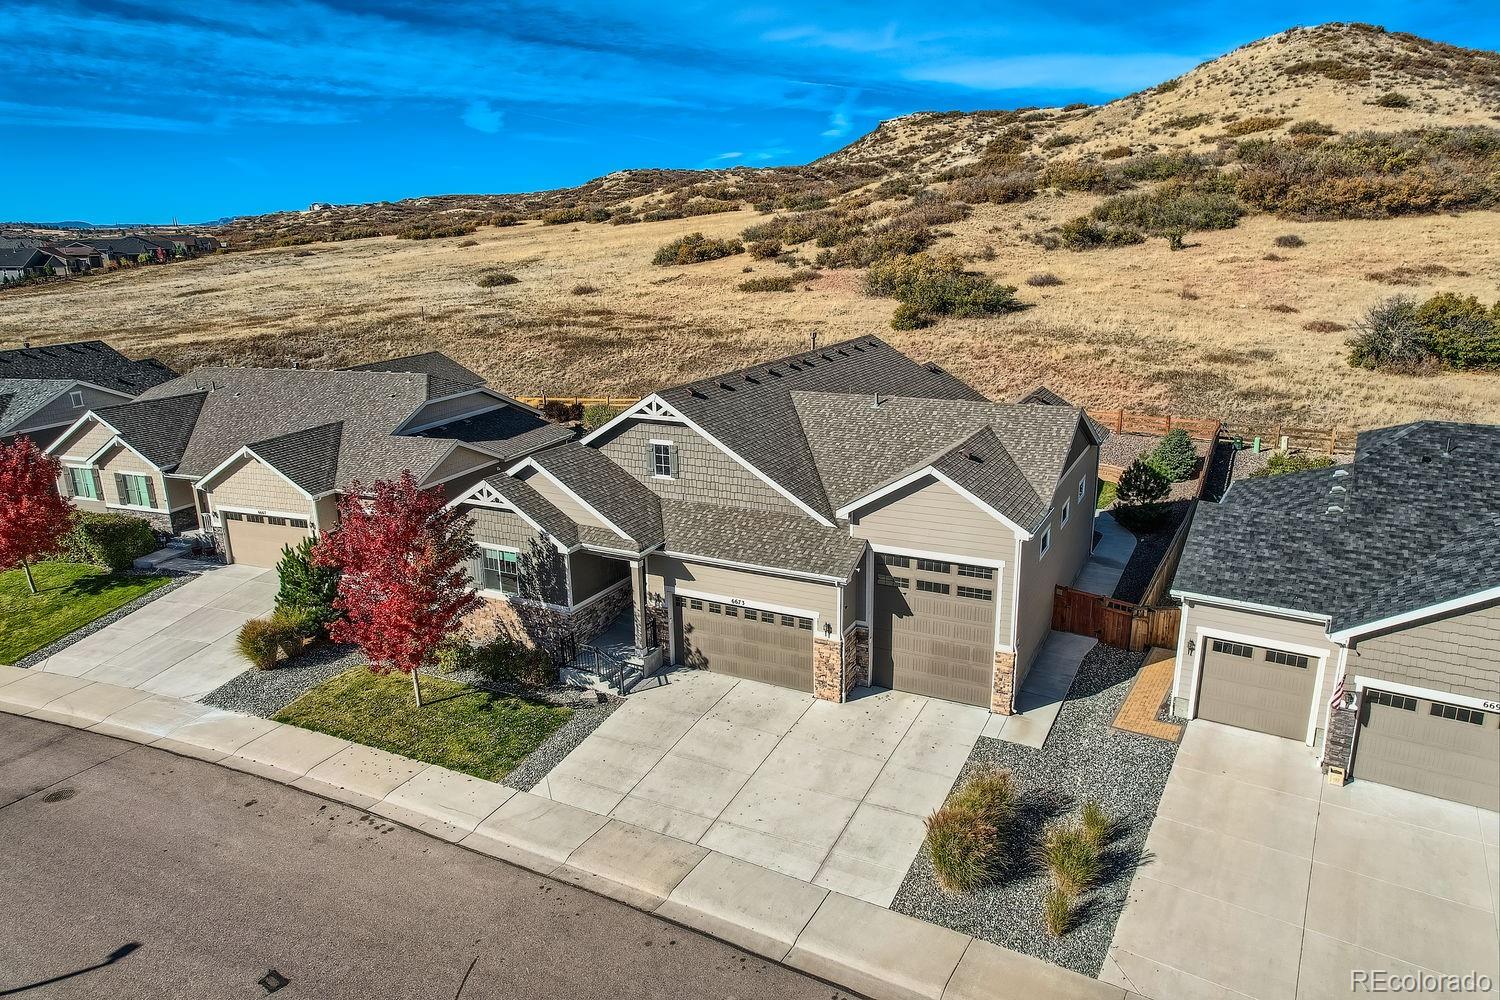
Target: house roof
507 432
31 377
158 428
750 410
1409 524
524 497
21 256
617 495
20 398
757 538
308 457
445 377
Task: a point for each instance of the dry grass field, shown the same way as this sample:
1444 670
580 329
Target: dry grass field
1219 328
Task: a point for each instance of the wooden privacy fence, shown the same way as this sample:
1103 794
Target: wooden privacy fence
620 401
1112 622
1129 422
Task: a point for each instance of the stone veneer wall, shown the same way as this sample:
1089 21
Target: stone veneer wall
1338 744
828 669
542 627
856 657
1003 697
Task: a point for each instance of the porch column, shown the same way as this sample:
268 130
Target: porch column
638 600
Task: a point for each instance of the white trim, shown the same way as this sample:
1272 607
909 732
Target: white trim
653 407
1431 611
79 394
1182 620
1044 543
131 506
118 440
1411 691
740 602
870 599
246 450
750 567
671 458
1015 610
1312 652
939 556
581 501
482 494
299 515
1224 602
921 473
74 425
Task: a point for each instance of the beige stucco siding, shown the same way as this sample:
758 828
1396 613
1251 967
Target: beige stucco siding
1274 631
251 484
929 516
704 473
463 460
821 599
1460 653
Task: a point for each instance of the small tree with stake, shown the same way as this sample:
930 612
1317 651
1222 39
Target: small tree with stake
403 588
33 515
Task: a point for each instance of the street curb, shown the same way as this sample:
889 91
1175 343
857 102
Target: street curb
879 953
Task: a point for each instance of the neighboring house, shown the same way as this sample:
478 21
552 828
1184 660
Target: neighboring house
43 390
259 456
79 256
23 261
131 248
1357 608
839 517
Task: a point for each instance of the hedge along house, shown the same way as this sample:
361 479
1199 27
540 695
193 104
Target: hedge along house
260 456
1356 609
44 390
841 517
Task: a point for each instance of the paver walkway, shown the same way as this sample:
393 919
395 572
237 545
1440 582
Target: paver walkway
830 794
1264 881
1138 714
180 645
885 955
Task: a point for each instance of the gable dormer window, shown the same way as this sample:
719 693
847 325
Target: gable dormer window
76 399
663 460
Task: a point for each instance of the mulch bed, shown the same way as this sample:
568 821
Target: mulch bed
1084 757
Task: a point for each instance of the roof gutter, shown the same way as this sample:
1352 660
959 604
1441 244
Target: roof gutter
1309 616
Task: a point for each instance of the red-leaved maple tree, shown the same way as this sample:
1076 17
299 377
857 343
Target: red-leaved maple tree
405 585
34 517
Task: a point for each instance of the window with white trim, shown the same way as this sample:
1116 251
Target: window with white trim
76 400
1046 544
1083 486
1066 511
135 490
663 460
501 571
83 483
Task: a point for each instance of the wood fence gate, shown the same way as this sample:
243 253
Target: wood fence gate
1114 623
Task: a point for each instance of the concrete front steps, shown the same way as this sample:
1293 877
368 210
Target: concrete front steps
872 950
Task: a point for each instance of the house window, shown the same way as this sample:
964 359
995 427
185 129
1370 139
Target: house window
83 483
1232 648
135 491
1083 485
977 572
1457 713
1286 659
501 571
663 460
932 566
76 399
974 593
1066 511
929 587
1400 701
1046 541
901 561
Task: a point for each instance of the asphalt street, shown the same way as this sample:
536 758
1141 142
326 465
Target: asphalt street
131 872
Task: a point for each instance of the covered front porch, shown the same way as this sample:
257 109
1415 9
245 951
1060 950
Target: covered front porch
617 653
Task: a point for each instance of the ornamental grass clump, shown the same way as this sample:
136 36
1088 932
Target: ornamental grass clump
1072 857
966 834
1057 912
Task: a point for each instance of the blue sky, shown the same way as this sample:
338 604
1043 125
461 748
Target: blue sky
149 110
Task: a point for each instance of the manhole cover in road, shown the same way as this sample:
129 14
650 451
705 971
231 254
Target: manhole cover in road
61 795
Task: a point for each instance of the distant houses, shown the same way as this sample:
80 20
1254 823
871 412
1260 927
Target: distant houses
28 258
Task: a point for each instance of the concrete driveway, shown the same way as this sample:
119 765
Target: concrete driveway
827 793
181 645
1264 881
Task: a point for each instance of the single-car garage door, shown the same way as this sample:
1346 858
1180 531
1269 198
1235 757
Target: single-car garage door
1253 687
257 539
745 641
1431 747
934 628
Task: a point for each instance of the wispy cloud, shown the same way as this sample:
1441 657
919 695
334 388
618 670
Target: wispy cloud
1102 73
841 119
481 116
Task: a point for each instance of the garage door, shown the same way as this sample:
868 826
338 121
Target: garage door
934 628
1254 687
1430 747
257 539
745 641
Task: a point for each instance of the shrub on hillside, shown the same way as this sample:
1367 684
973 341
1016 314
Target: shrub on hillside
583 288
1462 333
575 213
1172 207
998 189
1309 126
436 230
1282 463
909 317
1174 456
1043 279
939 286
1290 241
695 248
764 249
113 541
894 239
1082 175
1390 338
1393 99
1255 123
966 835
496 279
1084 233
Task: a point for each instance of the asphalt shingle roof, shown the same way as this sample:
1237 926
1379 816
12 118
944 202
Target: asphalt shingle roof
20 398
309 458
1412 522
85 361
756 538
508 432
445 377
609 489
157 428
524 497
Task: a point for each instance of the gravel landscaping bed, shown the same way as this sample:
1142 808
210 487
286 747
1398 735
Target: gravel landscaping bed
1149 551
1084 757
266 692
180 579
1122 449
586 718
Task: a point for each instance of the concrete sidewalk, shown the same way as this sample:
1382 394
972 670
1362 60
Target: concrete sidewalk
1101 574
885 955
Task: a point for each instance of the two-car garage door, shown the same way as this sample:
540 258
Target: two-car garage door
744 641
1431 747
257 539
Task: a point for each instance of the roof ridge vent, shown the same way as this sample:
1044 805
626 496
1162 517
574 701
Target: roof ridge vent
1334 509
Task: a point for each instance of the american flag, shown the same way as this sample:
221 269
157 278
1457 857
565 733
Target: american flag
1338 692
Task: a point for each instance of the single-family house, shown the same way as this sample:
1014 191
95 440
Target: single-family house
128 248
23 260
843 516
1357 609
44 390
260 456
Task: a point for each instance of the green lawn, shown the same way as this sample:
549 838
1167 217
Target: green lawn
457 727
1106 494
68 597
